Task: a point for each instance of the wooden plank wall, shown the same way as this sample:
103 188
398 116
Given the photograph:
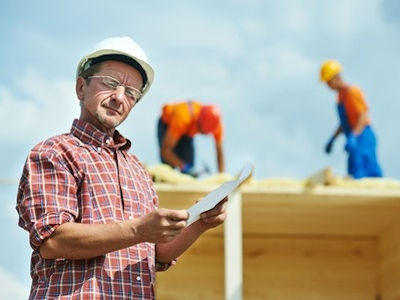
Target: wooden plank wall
296 247
294 267
389 271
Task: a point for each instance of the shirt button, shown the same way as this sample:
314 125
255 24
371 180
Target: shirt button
130 217
99 149
138 278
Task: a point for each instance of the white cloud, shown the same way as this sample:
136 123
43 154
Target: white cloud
37 107
294 17
347 19
283 62
11 287
197 30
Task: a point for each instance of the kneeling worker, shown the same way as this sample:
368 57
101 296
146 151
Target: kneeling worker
177 126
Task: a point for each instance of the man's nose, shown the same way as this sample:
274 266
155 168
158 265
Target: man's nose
119 92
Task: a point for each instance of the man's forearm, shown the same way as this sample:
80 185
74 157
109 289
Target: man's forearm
166 252
361 123
169 156
83 241
220 157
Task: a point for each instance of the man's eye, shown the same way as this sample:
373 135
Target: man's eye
111 83
132 94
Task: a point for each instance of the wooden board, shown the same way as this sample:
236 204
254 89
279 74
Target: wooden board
308 268
311 214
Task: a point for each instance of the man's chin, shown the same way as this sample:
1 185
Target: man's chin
109 122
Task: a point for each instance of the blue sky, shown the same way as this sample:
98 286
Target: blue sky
257 60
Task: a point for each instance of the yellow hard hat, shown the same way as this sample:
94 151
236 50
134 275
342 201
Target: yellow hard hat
329 69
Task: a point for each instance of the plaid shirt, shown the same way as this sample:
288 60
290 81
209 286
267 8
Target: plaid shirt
86 177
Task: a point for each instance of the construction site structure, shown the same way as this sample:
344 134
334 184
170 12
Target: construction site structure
320 238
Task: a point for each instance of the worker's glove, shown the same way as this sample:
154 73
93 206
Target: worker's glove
190 170
329 145
351 143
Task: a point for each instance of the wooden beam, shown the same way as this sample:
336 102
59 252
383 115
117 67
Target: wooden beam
233 249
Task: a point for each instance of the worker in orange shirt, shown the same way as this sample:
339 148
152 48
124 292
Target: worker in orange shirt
354 123
177 126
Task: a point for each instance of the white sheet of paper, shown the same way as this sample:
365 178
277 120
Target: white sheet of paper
214 197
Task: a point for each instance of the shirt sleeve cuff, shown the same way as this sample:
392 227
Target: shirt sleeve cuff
161 267
45 226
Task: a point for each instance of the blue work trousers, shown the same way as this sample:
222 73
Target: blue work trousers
362 159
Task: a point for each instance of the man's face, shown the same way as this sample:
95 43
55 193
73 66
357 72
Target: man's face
106 107
334 83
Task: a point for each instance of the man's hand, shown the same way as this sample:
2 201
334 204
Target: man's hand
329 145
190 170
162 225
351 143
214 217
165 252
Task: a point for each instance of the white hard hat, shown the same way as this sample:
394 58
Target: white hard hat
123 49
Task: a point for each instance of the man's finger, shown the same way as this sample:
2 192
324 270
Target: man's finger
217 209
177 215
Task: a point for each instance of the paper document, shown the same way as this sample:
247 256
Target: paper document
214 197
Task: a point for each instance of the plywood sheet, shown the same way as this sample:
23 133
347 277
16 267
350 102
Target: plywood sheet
308 268
389 251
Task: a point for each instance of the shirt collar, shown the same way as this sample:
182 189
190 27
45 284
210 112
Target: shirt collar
89 134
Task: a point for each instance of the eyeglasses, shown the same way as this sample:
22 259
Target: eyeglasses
112 83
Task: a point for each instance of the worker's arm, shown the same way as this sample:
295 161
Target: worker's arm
361 123
220 156
167 151
329 145
166 252
351 142
83 241
338 131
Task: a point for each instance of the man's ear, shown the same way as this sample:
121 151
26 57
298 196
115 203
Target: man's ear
80 87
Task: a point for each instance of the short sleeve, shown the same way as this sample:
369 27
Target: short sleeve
162 267
218 133
46 195
357 99
179 123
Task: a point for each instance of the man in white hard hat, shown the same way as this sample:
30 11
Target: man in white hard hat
89 206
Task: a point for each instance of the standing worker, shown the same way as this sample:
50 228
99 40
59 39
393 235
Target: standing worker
89 205
177 126
354 123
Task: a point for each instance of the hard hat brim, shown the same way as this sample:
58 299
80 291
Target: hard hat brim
103 52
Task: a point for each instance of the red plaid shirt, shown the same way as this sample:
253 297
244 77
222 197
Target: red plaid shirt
86 177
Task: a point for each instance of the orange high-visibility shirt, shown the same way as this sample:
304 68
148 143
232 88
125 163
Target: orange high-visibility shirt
182 119
354 104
